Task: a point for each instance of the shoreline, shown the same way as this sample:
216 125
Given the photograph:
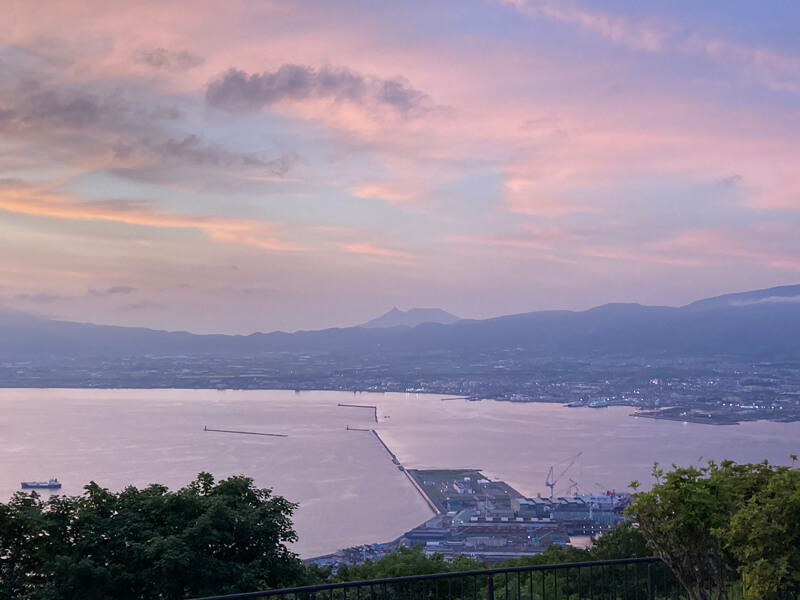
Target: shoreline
694 418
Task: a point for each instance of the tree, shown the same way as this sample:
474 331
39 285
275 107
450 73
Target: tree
407 561
622 541
764 537
203 539
678 517
712 523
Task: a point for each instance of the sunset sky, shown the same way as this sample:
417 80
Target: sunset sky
254 165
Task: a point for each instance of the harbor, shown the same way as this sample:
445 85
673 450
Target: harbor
350 492
491 521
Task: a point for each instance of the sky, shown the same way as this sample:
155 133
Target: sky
266 165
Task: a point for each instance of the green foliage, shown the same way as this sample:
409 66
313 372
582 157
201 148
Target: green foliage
713 523
678 518
623 541
406 561
203 539
764 537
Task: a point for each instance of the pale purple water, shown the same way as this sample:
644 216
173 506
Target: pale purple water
348 489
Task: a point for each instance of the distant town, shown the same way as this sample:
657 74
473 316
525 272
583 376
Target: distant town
703 390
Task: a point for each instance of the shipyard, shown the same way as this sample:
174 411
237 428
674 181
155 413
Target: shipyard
491 521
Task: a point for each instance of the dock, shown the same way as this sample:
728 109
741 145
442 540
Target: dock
358 429
374 408
282 435
385 447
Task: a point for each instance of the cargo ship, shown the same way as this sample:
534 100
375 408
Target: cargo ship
53 484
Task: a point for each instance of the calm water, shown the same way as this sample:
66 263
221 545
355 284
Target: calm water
349 491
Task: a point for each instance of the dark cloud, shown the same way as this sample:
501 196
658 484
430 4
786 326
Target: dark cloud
51 51
547 122
160 113
29 106
236 91
33 107
112 291
192 149
143 305
731 181
258 291
59 54
169 60
38 298
11 182
396 93
122 149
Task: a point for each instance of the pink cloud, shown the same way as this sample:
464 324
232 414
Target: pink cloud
42 203
535 198
388 192
778 71
708 247
373 250
639 35
721 243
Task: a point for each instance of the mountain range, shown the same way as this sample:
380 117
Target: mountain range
761 324
412 318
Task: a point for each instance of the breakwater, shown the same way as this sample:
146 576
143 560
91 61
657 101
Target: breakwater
385 447
396 462
417 487
374 408
283 435
358 429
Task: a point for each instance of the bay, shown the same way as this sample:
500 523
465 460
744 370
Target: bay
348 490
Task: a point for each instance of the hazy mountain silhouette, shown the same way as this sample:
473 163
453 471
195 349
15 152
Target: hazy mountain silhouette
776 295
763 324
412 318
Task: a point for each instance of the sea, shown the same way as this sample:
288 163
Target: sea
347 487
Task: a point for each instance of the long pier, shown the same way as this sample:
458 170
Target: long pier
358 429
283 435
394 458
374 408
422 493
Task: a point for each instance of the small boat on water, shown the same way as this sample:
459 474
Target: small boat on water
598 403
575 404
52 484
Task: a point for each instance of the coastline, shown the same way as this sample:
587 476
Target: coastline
688 414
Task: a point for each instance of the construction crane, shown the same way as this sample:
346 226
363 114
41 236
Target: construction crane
552 480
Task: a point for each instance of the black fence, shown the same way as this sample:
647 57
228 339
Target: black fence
624 579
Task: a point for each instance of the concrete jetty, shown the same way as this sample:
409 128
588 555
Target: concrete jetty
245 432
394 458
374 408
358 429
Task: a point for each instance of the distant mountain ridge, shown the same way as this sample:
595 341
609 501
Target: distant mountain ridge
762 324
786 293
412 318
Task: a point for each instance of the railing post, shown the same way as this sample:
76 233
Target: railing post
491 587
651 581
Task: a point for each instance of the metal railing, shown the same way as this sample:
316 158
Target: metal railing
622 579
